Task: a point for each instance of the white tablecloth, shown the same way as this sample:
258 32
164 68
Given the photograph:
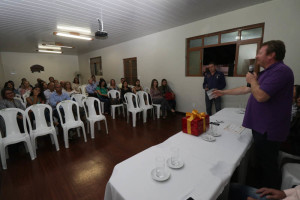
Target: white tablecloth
208 166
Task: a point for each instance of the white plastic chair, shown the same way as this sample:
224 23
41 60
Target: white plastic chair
115 94
157 106
21 100
13 133
83 90
78 98
290 175
41 126
70 121
91 114
19 96
145 105
27 94
131 108
146 89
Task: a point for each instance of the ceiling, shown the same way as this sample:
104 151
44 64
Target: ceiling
25 23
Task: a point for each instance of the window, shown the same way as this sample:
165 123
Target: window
96 66
232 50
130 70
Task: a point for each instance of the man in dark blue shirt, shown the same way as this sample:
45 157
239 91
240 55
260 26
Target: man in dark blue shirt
213 79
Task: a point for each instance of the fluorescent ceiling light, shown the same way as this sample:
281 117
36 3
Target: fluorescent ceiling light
48 51
75 29
73 35
58 46
49 47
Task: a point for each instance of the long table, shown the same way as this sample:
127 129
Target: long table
208 166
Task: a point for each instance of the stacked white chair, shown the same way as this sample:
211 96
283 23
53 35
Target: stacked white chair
41 126
83 90
21 100
70 121
27 94
78 98
91 114
13 134
115 94
144 104
131 108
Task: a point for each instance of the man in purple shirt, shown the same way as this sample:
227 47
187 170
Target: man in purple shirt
268 111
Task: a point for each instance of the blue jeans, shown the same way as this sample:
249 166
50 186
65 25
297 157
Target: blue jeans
242 192
209 104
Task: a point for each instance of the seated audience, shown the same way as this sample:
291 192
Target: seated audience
56 97
8 101
113 85
44 86
76 84
26 88
121 83
36 97
157 98
137 86
102 95
49 91
91 88
51 79
95 82
124 90
11 84
68 88
167 93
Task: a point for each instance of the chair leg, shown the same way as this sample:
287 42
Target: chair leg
83 131
54 136
26 147
66 138
133 119
52 140
29 147
106 126
3 158
92 128
78 131
33 143
145 115
113 112
123 111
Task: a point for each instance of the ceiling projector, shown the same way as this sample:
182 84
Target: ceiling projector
101 34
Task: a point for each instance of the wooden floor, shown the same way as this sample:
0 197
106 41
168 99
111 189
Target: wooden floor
82 171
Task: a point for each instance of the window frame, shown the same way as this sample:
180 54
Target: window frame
238 42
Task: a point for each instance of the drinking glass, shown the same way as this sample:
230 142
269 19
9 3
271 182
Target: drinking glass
160 166
174 156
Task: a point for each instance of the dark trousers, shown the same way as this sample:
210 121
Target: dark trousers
172 103
106 103
266 153
209 104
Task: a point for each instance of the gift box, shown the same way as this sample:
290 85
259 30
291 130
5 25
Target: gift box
195 123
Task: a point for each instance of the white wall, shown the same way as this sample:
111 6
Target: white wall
2 79
61 67
162 55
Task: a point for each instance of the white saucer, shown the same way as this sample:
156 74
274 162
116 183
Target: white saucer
208 138
178 166
214 134
166 175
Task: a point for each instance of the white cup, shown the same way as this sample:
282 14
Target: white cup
160 166
175 156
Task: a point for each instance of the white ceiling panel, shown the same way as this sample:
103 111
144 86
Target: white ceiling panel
26 23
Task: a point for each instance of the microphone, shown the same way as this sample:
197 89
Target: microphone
251 70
